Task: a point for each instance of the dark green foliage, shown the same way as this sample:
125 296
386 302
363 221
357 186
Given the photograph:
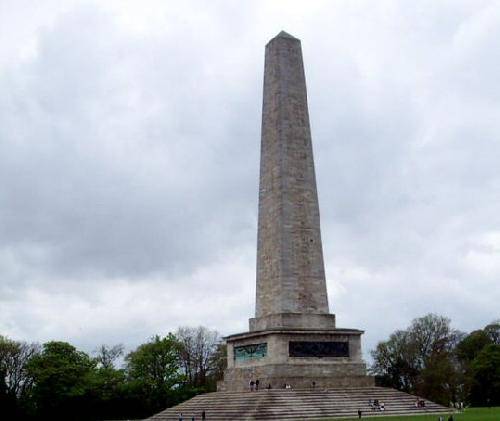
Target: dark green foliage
434 361
472 344
480 365
418 359
153 371
485 368
395 361
61 376
439 380
60 382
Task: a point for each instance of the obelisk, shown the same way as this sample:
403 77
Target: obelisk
291 286
290 269
293 338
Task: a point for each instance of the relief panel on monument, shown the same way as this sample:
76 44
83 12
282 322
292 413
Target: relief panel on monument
250 352
318 349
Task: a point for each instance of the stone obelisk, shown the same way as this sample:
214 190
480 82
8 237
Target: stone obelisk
290 269
293 338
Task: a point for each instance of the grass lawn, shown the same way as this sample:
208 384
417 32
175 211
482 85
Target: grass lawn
470 414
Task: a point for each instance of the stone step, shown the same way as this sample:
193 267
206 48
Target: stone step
278 404
285 404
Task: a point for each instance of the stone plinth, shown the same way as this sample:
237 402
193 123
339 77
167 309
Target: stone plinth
284 360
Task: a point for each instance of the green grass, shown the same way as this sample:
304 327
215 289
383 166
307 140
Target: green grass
470 414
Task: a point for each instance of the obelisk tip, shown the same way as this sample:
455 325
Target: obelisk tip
284 34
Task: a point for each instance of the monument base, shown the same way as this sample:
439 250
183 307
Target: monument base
301 358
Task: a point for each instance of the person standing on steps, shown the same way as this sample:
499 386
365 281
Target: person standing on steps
180 417
359 413
251 385
257 384
203 415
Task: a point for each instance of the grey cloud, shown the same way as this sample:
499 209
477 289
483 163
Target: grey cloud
119 165
129 165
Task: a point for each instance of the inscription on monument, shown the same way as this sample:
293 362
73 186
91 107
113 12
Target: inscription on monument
318 349
250 352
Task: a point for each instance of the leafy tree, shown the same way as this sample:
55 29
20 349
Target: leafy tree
470 346
467 352
395 362
432 335
486 376
109 396
60 374
153 370
439 379
420 359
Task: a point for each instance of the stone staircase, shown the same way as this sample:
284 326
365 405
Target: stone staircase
302 404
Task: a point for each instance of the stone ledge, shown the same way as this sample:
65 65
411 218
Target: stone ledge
292 320
255 334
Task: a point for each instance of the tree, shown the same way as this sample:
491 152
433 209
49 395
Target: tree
470 346
439 379
106 355
493 332
218 364
15 381
486 376
60 374
154 371
198 349
431 335
14 357
420 359
467 352
395 361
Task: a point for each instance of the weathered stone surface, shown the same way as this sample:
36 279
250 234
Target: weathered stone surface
293 321
300 404
278 367
293 338
290 268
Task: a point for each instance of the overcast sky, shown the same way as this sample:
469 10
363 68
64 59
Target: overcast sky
129 158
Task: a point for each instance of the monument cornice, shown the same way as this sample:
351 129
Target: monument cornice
260 333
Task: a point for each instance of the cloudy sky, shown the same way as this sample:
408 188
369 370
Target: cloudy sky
129 156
